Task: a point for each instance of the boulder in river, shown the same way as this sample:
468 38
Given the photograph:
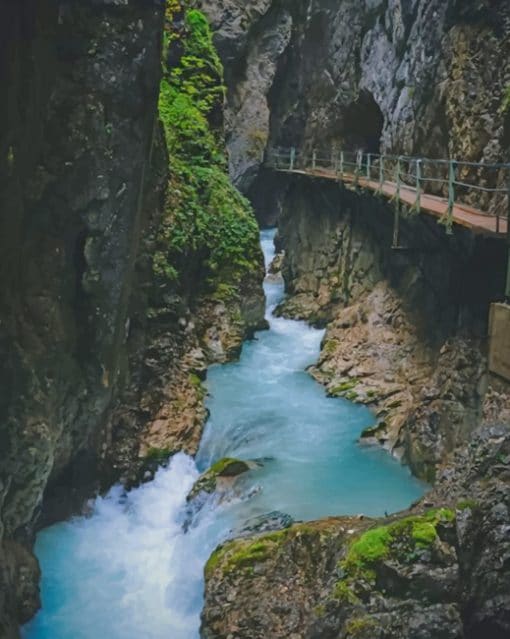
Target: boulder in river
220 477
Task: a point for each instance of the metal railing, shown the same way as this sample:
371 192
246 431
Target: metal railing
481 186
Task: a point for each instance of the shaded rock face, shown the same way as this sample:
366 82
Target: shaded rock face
75 144
437 571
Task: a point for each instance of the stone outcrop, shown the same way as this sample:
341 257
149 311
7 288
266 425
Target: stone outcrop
435 571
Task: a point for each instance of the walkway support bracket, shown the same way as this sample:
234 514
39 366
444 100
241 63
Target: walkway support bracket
507 285
417 204
381 175
396 217
452 173
359 163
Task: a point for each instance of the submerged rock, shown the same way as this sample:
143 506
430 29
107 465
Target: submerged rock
220 477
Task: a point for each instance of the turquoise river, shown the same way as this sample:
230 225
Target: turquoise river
133 569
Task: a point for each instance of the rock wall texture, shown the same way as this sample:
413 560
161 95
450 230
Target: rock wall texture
406 329
76 136
101 367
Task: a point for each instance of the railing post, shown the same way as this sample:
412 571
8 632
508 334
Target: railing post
369 165
396 217
417 204
359 163
342 162
451 195
314 160
292 160
381 174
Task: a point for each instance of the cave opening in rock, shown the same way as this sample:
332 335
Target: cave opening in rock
363 124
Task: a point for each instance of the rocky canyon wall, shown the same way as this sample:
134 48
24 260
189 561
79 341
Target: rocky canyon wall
418 78
406 327
78 116
111 304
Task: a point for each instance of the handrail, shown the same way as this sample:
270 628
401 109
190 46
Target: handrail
450 179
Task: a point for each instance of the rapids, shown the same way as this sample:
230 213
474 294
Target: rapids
132 570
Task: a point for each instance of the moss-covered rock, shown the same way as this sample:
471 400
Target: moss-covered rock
225 469
207 222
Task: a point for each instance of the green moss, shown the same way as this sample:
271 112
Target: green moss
238 555
505 103
423 533
155 458
320 610
195 380
243 554
370 547
402 539
466 504
213 561
249 555
223 464
344 387
207 221
360 627
329 347
344 593
373 431
158 455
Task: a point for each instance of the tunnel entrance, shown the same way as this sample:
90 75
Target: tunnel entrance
363 124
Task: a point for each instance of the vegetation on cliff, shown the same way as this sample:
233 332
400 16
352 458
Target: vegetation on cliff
207 222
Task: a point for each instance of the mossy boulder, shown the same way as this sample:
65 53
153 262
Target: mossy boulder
401 542
219 476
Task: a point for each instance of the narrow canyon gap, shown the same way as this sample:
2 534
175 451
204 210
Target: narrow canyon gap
185 457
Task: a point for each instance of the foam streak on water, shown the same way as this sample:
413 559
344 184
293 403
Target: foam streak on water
130 571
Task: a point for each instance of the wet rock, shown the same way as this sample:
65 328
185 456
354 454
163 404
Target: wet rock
220 477
270 522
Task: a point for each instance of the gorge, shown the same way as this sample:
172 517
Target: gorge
130 266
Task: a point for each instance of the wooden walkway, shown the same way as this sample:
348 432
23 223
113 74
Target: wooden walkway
473 219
